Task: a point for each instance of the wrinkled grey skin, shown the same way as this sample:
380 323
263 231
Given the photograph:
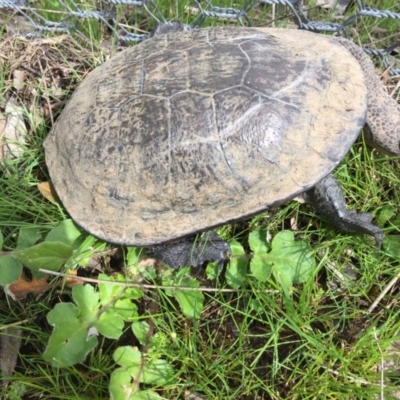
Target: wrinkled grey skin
382 132
197 251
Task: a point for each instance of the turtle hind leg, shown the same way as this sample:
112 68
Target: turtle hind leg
194 251
328 200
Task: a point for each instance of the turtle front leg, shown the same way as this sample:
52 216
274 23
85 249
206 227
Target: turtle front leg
328 200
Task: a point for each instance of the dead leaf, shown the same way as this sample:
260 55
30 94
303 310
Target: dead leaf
48 192
13 137
18 79
22 287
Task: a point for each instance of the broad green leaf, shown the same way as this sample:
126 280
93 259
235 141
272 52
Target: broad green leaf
1 239
77 324
191 301
147 394
290 261
27 237
109 292
66 232
133 293
73 335
69 343
126 356
122 387
140 330
126 308
261 267
119 297
284 277
10 269
237 269
46 255
258 241
157 372
213 270
87 301
297 253
110 324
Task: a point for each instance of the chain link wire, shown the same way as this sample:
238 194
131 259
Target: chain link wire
72 15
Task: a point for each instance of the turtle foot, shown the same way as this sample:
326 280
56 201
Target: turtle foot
194 251
328 200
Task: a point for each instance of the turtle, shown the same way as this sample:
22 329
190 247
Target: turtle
194 129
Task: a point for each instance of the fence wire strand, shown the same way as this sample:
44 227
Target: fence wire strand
73 14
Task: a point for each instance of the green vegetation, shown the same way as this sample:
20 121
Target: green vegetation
291 317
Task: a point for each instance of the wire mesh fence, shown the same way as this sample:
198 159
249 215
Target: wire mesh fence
69 16
125 19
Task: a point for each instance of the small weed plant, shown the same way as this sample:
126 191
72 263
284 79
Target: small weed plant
107 309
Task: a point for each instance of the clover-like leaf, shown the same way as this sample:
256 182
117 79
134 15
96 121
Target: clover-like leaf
290 261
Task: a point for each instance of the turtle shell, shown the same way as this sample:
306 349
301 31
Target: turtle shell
192 130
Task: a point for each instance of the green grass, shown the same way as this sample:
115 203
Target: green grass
252 343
